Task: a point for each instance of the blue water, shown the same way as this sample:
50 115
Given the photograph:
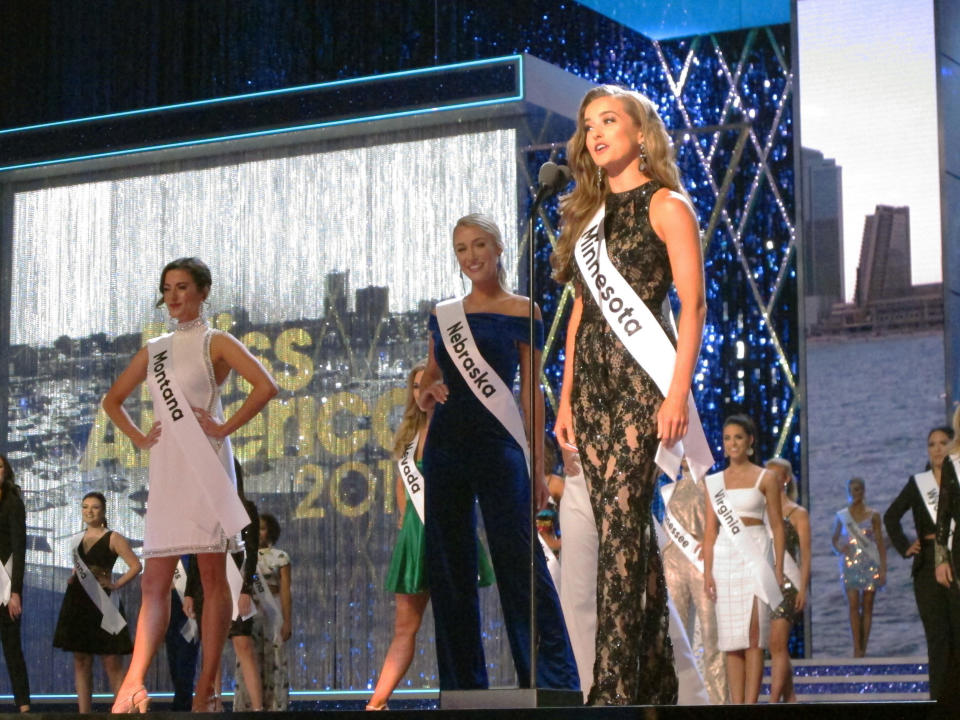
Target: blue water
871 402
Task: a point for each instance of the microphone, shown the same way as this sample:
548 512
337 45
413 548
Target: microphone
552 178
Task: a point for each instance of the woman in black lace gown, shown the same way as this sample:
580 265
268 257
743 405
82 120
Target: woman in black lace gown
610 408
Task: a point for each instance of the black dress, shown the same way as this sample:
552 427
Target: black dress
615 404
78 627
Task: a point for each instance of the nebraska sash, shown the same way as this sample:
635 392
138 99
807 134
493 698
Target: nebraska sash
482 379
676 533
413 479
765 580
189 629
644 338
112 621
853 531
178 422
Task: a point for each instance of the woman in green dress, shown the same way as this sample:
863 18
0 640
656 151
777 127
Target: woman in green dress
406 576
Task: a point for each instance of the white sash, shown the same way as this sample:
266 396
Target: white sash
189 629
790 567
930 492
477 373
853 530
645 340
179 423
676 533
6 584
765 580
112 620
413 479
235 581
267 602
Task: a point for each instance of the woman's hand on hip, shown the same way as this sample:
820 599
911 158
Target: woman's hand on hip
210 427
150 439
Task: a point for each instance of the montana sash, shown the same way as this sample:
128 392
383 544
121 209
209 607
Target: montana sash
765 580
644 338
482 379
179 423
112 620
413 479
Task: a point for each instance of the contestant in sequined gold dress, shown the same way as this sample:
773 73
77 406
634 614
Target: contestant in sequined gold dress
863 561
610 408
685 584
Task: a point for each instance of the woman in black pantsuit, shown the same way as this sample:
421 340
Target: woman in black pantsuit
932 598
948 565
13 548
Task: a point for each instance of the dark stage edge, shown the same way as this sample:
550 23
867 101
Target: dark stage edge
914 710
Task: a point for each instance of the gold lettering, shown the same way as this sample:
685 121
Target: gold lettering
388 472
337 434
101 447
340 504
255 341
285 353
247 440
280 412
386 404
308 507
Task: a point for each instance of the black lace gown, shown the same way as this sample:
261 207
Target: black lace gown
615 404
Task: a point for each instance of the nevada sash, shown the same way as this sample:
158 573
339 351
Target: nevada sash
644 338
179 422
413 479
482 379
112 621
189 629
853 530
765 579
676 533
267 602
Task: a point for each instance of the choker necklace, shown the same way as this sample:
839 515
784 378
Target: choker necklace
190 324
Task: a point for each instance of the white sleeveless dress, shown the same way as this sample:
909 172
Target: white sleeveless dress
179 518
736 586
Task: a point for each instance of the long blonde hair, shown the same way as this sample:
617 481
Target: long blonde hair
413 417
591 187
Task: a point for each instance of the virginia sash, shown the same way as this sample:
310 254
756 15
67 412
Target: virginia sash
178 421
267 602
112 620
644 338
676 533
413 479
482 379
189 629
853 530
765 580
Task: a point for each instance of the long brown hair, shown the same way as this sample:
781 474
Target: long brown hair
591 187
413 417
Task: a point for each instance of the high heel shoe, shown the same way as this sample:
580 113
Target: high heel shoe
212 703
376 707
138 701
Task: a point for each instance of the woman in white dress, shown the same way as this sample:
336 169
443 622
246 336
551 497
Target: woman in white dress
737 555
193 505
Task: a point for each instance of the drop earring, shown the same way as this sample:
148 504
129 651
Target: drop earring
642 157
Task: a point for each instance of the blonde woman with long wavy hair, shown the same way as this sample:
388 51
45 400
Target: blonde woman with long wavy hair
610 409
406 577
